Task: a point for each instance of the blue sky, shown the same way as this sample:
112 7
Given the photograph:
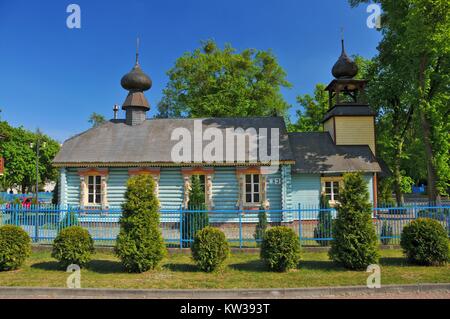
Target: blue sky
53 77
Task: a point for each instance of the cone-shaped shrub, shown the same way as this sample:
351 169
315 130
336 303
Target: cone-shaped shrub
355 243
15 247
73 245
425 242
324 224
280 248
140 245
210 249
261 227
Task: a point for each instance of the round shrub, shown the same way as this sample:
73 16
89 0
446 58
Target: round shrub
15 247
210 249
425 242
280 248
73 245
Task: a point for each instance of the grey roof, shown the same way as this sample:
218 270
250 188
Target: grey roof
115 142
348 110
315 152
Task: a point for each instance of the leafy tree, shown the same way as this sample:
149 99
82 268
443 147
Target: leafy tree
140 245
214 82
96 119
417 34
20 157
355 240
314 109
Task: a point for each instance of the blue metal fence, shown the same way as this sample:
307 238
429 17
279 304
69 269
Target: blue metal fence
313 225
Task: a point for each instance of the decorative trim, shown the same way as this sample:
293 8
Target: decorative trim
93 172
197 171
375 189
248 170
162 164
187 189
144 170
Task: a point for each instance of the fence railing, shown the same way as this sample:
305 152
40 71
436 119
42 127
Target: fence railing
313 225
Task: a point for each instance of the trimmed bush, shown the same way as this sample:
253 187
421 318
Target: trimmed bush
140 245
280 248
198 218
70 219
386 231
355 244
210 249
73 245
261 226
15 247
425 242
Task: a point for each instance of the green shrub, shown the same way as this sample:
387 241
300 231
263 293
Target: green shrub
140 245
15 247
261 227
70 219
355 244
325 222
73 245
425 242
280 248
386 231
210 249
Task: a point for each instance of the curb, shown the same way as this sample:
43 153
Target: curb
289 293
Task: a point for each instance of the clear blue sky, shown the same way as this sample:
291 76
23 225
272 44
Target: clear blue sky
53 77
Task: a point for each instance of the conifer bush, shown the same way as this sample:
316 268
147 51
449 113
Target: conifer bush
325 221
355 244
425 242
210 249
140 245
73 245
261 227
280 248
15 247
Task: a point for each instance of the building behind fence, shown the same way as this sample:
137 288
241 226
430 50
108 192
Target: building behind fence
313 225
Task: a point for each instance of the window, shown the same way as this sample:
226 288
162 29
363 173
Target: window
252 188
94 189
332 190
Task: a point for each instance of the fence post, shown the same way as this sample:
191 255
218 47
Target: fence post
300 224
181 227
36 222
240 229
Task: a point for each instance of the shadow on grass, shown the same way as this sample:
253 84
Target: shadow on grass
253 266
181 267
393 261
327 265
46 265
105 266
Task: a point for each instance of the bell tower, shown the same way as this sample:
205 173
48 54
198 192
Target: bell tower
349 119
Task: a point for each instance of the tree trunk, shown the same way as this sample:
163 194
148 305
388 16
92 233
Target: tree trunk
398 178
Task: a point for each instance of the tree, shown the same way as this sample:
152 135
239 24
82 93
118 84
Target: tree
355 243
20 157
96 119
140 245
324 222
214 82
261 227
314 109
419 31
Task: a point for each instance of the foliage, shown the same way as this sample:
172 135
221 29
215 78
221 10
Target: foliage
386 231
385 192
73 245
15 247
96 119
69 219
20 158
425 242
214 82
261 226
280 248
196 217
140 245
355 243
324 223
55 194
210 249
314 109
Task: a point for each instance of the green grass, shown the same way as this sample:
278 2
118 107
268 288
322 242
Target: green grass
243 270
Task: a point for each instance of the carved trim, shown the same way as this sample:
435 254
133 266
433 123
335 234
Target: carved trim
197 171
93 172
248 170
144 170
187 189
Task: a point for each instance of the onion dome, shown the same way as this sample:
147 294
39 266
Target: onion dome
136 80
344 68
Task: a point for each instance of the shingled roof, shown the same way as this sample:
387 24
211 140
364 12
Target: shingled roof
315 152
115 143
348 110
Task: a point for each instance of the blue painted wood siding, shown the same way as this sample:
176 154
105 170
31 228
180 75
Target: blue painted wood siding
225 188
305 190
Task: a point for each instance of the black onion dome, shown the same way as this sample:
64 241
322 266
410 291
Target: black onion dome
136 80
344 68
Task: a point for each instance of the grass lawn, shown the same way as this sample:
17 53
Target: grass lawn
243 270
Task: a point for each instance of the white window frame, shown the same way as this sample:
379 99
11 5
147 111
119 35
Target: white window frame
333 184
94 189
252 192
